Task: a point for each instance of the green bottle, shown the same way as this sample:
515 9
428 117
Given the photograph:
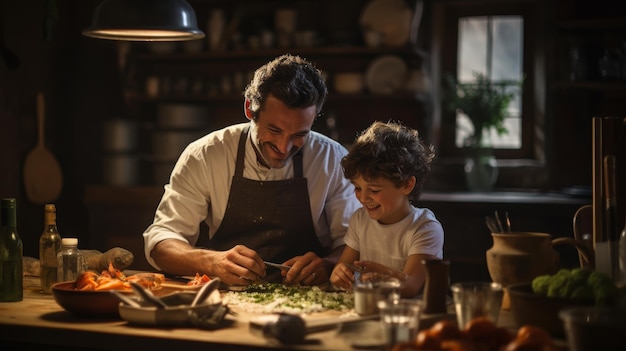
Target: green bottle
11 252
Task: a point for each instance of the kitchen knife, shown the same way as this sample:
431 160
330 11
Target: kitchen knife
277 265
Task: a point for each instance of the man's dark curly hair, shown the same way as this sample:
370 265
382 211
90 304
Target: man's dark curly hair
289 78
392 151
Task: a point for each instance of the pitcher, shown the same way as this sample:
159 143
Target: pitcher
519 257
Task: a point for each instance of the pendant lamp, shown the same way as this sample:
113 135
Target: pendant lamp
144 20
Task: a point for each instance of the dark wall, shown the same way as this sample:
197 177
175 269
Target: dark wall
78 78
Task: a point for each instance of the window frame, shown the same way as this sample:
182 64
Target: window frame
446 15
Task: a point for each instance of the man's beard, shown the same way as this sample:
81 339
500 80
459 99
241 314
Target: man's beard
273 162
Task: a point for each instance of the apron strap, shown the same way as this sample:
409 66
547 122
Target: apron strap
241 151
297 164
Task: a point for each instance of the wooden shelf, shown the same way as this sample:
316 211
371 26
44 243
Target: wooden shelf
140 195
312 52
592 85
593 24
123 195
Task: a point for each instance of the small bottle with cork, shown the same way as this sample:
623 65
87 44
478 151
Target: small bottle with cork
49 248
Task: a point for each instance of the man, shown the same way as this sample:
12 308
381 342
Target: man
270 189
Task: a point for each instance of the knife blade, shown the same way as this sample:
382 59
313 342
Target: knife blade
354 267
277 265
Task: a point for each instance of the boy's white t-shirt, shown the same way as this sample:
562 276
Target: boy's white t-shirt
391 244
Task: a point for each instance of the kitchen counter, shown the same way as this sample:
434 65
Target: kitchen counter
38 320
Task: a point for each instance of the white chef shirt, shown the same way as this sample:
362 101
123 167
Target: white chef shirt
200 182
391 244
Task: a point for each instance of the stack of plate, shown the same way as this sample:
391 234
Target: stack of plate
387 75
120 162
177 126
390 18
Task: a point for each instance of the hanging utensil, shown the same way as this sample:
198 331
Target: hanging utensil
491 224
508 222
42 174
499 223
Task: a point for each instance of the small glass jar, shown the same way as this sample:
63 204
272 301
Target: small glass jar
69 260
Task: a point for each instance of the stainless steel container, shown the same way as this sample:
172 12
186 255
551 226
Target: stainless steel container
170 116
119 135
120 169
168 144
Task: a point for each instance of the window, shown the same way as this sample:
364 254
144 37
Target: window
498 40
492 45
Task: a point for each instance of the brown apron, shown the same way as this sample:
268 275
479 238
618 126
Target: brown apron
271 217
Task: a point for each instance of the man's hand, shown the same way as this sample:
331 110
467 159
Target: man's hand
237 266
307 269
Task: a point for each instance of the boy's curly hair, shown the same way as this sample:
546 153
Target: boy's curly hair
392 151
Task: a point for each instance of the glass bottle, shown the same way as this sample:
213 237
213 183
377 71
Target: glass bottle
49 247
11 252
69 260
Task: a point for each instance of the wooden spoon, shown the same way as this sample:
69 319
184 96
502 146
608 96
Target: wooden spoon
42 175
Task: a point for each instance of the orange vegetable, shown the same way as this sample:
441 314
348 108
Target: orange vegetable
199 280
110 284
533 334
446 330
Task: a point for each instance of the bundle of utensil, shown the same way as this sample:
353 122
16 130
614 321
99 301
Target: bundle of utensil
201 309
495 224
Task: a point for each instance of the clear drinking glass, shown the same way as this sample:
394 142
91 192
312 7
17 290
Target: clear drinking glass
476 299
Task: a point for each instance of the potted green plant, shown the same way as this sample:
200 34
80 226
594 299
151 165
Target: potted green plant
485 103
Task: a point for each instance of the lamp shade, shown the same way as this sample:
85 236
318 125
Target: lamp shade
144 20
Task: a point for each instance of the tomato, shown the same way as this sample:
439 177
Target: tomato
446 330
501 337
427 341
199 280
458 345
480 328
523 345
532 334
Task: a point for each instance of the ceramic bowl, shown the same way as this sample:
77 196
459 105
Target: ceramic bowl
594 328
542 311
86 303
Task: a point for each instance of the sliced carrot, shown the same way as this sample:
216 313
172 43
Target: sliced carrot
111 285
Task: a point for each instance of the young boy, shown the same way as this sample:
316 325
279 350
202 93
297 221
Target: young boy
388 165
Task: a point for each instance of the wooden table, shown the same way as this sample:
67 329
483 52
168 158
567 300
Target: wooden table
38 320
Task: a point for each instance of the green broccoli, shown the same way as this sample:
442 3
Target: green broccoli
577 279
604 290
580 274
559 284
577 283
541 284
582 292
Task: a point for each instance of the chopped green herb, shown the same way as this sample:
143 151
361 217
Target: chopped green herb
276 298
